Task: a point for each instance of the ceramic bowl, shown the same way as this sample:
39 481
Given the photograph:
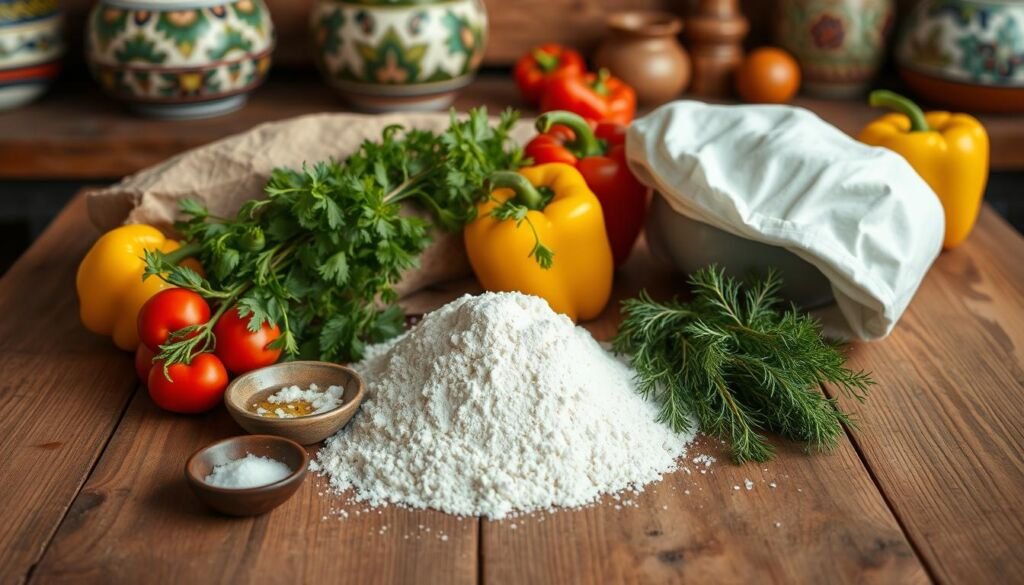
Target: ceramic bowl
410 55
839 44
691 245
965 54
30 49
255 386
180 58
249 501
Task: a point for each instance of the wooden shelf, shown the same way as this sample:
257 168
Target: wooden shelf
77 133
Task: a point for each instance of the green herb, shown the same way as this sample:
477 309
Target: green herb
739 365
320 254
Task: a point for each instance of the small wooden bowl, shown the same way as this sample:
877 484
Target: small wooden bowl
248 501
307 430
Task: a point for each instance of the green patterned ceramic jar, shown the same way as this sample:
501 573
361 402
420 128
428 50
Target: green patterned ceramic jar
180 58
30 49
399 54
839 44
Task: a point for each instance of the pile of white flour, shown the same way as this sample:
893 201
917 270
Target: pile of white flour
493 405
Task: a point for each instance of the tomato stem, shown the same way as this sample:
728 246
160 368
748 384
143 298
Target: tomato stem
600 83
545 61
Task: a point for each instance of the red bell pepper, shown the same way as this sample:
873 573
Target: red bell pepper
534 69
600 156
595 96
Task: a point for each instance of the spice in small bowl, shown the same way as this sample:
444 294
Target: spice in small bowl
281 385
293 402
247 475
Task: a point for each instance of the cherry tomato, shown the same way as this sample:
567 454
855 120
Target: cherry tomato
168 311
195 387
143 362
240 349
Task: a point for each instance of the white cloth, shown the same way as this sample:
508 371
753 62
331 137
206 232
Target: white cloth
781 176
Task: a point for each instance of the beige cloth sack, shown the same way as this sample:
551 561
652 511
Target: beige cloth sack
226 173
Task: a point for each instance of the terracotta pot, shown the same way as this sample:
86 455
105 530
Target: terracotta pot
187 59
399 55
641 48
966 54
840 44
30 49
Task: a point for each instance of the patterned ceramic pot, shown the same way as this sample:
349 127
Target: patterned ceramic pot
30 49
966 54
840 44
180 58
399 54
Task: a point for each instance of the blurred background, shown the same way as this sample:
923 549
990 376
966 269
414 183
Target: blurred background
75 135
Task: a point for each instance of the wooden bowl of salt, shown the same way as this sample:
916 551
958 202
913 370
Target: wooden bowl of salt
259 400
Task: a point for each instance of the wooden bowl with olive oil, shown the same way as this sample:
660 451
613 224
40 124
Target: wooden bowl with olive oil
247 392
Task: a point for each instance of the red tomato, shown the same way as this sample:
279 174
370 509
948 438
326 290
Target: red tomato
168 311
240 349
143 362
195 387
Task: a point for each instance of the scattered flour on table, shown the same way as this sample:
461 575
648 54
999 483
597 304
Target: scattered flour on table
494 405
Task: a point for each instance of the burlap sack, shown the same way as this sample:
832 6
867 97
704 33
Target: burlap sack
226 173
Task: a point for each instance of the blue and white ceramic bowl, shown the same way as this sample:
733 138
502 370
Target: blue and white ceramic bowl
30 49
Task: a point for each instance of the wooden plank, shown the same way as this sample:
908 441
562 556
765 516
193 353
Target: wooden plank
77 133
825 521
136 521
63 391
943 433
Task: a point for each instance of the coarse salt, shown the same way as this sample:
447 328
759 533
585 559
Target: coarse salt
319 400
248 472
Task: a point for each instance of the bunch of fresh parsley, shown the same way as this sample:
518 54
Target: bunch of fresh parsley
738 364
319 256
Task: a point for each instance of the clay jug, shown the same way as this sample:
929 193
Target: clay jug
641 48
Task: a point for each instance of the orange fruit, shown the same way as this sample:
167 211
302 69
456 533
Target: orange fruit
768 76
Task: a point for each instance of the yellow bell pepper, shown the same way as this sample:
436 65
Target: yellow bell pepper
109 282
949 151
565 215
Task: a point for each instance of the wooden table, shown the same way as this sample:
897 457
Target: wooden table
928 487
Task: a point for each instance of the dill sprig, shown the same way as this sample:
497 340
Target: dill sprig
738 364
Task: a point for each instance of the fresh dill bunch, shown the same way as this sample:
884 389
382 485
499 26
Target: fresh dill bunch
739 364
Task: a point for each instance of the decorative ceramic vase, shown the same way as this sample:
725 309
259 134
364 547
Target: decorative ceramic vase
30 49
386 55
715 30
839 44
180 58
966 54
641 49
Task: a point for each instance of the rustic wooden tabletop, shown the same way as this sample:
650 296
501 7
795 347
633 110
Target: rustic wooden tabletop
926 488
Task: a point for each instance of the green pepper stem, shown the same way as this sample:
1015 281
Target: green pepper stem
175 257
526 193
546 61
600 84
883 98
585 143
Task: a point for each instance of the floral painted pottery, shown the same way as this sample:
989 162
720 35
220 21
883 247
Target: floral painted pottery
641 49
180 58
399 54
839 44
966 54
30 49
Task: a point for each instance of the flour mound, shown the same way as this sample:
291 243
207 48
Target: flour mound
495 405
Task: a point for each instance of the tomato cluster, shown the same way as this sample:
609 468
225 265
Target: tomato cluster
198 385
